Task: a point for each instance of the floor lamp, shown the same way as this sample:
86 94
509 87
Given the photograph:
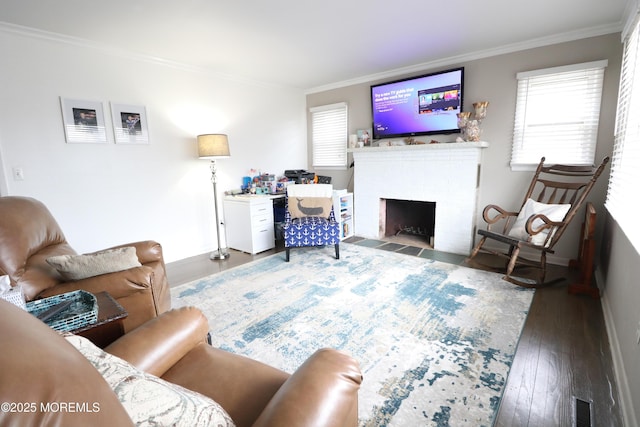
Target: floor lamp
214 146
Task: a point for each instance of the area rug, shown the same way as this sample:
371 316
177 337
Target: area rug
435 341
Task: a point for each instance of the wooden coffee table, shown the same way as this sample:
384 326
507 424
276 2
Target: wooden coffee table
109 326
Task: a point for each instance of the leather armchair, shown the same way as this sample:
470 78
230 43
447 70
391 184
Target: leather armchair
29 235
40 366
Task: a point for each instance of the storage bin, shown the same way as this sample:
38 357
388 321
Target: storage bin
83 311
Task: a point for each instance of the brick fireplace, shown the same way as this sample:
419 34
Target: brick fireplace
445 175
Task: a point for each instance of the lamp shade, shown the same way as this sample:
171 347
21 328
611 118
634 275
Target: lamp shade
213 145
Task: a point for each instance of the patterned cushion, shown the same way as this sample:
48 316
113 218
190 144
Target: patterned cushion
149 400
311 231
77 267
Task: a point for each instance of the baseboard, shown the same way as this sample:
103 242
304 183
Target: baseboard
626 404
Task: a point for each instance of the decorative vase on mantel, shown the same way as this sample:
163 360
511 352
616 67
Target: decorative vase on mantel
470 127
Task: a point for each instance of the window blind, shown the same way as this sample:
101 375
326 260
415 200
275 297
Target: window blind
557 113
625 165
329 136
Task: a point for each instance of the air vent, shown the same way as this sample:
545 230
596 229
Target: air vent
582 415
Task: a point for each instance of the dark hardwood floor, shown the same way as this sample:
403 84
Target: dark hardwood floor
563 354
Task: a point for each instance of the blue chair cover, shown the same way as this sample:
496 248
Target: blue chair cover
310 231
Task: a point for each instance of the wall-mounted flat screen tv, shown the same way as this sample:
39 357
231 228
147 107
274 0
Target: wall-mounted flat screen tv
423 105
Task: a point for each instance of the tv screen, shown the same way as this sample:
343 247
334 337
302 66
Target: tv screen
423 105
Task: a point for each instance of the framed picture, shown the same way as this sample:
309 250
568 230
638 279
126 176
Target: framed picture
83 121
130 124
364 137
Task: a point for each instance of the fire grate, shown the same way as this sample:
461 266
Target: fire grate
413 231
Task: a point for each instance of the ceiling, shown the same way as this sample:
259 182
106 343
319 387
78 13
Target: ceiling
315 44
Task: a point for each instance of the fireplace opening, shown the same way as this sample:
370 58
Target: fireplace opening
408 221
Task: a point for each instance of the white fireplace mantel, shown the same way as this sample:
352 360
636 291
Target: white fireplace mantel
444 173
420 147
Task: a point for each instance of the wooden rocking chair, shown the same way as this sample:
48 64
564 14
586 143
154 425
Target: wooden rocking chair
555 195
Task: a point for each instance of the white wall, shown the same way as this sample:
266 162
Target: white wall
108 194
618 274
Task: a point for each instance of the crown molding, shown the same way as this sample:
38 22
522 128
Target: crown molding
34 33
443 62
452 60
631 12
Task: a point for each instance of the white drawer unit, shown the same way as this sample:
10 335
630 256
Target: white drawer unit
249 223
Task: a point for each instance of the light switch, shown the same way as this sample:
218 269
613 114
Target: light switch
18 174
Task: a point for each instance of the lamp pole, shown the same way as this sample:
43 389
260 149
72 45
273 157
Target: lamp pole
214 146
219 253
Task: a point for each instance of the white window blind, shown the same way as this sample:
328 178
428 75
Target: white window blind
625 165
557 113
329 136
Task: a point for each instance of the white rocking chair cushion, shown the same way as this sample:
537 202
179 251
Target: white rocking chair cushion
555 212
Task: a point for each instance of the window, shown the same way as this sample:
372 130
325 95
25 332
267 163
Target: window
329 136
625 173
557 112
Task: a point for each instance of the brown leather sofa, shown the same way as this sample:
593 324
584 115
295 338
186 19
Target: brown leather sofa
39 365
29 235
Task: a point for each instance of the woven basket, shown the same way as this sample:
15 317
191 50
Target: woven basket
82 312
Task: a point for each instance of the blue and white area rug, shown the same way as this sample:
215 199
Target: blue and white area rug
435 341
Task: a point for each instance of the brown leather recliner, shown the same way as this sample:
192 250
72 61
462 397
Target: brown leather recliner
39 365
29 235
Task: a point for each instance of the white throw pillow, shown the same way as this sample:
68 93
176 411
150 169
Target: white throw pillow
149 400
555 212
77 267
